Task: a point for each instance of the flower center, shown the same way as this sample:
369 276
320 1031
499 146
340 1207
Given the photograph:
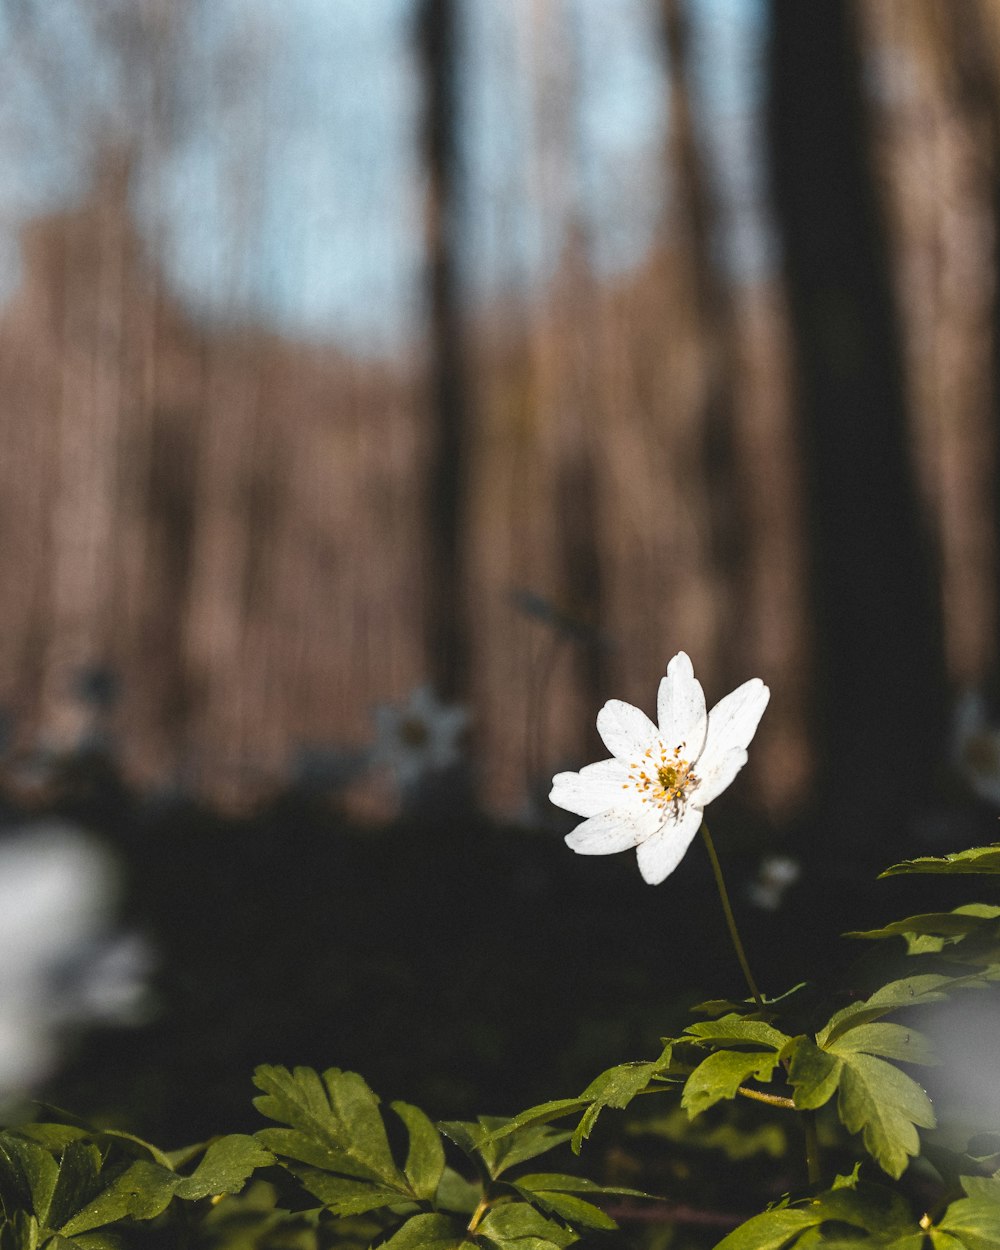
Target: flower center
662 775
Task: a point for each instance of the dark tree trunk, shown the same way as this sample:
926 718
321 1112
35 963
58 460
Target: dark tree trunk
446 610
879 714
977 92
697 218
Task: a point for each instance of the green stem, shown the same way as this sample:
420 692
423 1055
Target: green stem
760 1095
478 1214
734 933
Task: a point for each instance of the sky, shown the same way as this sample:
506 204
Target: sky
284 187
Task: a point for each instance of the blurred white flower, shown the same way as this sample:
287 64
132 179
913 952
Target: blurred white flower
422 737
651 795
976 747
62 965
775 874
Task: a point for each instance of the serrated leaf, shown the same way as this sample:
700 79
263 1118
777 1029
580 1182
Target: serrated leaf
521 1225
28 1175
541 1113
975 1219
455 1193
772 1230
885 1106
54 1137
945 924
345 1195
930 987
527 1143
429 1232
814 1074
21 1232
227 1165
574 1185
143 1191
494 1146
425 1157
577 1212
944 1241
335 1123
890 1041
733 1028
879 1211
78 1181
154 1152
721 1074
978 859
615 1087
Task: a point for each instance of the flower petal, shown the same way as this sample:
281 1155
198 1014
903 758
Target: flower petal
626 731
660 854
613 831
680 707
717 775
732 724
592 790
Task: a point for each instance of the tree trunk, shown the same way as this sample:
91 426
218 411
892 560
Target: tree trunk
879 715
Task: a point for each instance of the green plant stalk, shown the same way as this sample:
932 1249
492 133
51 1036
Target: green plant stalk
812 1147
734 933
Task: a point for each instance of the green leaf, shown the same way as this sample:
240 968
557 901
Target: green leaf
76 1184
772 1230
721 1074
890 1041
142 1192
345 1195
520 1225
28 1175
616 1087
21 1232
335 1123
455 1193
226 1167
944 1241
144 1147
556 1192
542 1113
733 1028
930 987
884 1105
975 1219
814 1074
880 1211
575 1211
574 1185
494 1147
978 859
425 1157
874 1215
429 1232
54 1137
945 924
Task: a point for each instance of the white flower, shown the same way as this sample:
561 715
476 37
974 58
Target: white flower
62 965
651 795
421 738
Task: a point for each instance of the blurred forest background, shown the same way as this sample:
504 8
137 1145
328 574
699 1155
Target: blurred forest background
501 348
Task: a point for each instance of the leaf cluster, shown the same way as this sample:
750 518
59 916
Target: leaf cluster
334 1167
336 1142
65 1185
